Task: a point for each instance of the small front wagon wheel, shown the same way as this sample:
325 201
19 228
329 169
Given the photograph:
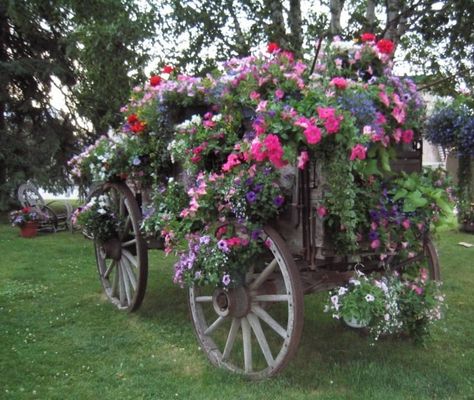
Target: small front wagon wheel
254 329
122 262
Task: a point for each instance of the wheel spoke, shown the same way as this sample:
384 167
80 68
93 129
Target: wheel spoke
113 263
262 340
214 325
203 299
121 205
131 277
115 282
129 243
234 329
130 257
264 316
126 283
126 227
264 275
246 335
272 297
121 286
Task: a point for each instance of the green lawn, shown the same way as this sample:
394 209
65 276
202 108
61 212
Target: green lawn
60 339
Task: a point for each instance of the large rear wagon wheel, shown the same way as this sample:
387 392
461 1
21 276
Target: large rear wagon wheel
426 258
122 262
255 329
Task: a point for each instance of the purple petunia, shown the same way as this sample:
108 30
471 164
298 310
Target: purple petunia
373 235
204 239
226 279
279 200
222 246
256 234
251 197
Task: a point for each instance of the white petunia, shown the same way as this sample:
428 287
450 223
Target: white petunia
342 290
369 298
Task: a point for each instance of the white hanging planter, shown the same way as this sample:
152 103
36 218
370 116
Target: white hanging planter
355 323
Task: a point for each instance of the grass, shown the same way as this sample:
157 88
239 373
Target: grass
60 338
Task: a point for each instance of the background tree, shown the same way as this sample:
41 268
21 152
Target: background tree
435 37
93 51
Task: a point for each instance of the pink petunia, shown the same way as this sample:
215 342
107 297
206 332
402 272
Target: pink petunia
398 135
339 82
274 150
302 122
407 136
399 114
262 106
279 94
258 154
375 244
406 223
322 211
255 95
384 99
333 124
303 158
313 134
232 161
359 152
326 112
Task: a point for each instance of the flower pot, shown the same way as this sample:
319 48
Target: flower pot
29 229
355 323
467 227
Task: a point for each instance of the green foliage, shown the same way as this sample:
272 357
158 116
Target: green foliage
92 51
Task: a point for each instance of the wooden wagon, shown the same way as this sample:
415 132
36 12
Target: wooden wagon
254 329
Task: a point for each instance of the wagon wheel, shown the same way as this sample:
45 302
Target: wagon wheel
122 262
427 258
255 329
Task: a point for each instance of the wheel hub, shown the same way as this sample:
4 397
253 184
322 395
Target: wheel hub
112 248
233 302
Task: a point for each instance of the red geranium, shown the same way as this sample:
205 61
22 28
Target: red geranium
385 46
272 47
368 37
155 80
167 69
132 118
138 127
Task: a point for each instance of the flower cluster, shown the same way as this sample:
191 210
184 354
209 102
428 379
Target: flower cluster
406 303
232 138
452 126
21 217
216 259
97 219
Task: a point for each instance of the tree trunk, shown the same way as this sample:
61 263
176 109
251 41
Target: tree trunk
335 7
370 16
397 20
294 22
276 29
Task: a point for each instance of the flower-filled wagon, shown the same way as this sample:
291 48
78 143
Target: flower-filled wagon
268 180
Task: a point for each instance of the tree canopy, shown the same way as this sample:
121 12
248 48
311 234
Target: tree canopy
93 51
434 36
